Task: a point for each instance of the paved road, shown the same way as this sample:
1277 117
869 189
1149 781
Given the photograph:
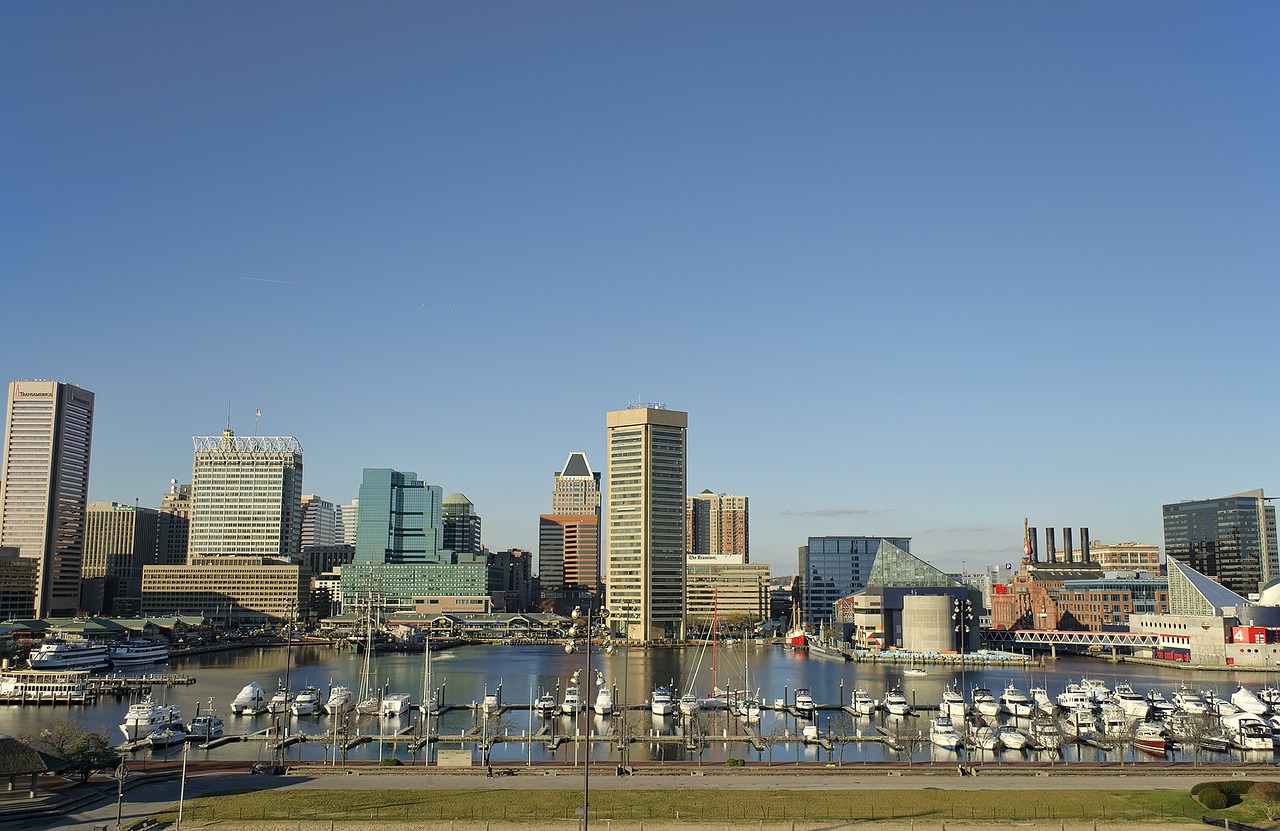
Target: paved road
145 799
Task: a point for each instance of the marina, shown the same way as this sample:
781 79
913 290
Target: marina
507 704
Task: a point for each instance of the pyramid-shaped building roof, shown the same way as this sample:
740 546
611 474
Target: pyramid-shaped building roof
896 567
1192 593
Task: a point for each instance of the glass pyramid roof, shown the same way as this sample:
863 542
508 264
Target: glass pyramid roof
896 567
1192 593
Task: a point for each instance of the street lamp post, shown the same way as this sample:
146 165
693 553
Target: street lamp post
122 773
583 624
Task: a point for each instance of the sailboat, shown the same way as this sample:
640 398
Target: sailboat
796 638
745 706
912 669
429 705
368 702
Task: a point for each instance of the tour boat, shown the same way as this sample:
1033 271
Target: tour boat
34 686
56 653
942 732
804 701
1149 737
306 702
146 717
136 652
1248 702
249 701
1015 702
340 701
661 702
394 705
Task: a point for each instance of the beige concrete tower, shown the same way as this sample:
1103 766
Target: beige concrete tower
44 487
246 496
646 517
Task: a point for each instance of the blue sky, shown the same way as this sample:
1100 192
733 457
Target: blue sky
913 268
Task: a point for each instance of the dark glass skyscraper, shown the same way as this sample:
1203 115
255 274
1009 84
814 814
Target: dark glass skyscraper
836 567
1231 539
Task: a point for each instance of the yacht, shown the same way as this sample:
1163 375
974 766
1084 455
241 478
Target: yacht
33 686
394 705
1247 732
1013 738
804 701
1149 737
279 703
168 736
1218 706
146 717
689 704
1161 707
136 652
943 733
984 738
863 703
747 709
984 703
1015 702
572 700
1135 706
249 701
953 705
603 705
1187 700
1096 689
1248 702
1075 696
661 702
340 701
895 702
1115 719
1270 696
546 705
1046 734
1081 723
205 726
306 702
1041 701
57 653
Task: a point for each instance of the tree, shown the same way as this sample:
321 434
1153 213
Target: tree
1267 794
86 751
843 726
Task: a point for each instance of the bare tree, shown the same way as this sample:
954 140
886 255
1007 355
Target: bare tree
843 727
1267 795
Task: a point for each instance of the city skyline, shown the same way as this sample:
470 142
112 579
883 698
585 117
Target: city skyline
915 271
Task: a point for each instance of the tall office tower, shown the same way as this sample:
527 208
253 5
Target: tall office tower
716 528
319 521
173 525
1231 539
832 568
349 519
246 496
44 489
461 524
646 475
17 585
577 488
569 551
118 541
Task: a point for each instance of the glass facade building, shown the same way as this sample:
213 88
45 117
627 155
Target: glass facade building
1231 539
835 567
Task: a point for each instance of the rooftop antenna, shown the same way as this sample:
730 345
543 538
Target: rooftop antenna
256 416
228 415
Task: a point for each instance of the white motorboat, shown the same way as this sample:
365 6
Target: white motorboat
340 700
167 736
942 733
1270 696
1115 719
661 702
689 704
1218 706
490 704
56 653
1013 738
279 703
1081 723
953 705
147 717
862 702
1189 701
306 702
895 702
804 702
747 709
1041 701
1244 698
136 652
1160 707
1246 731
205 726
1015 702
1135 706
546 705
1046 734
572 704
1075 696
394 705
1096 689
603 705
984 738
984 703
249 701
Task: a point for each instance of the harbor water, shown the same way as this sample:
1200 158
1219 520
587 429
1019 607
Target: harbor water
463 676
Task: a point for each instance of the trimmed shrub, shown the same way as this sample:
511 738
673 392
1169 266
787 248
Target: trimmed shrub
391 763
1212 798
1231 787
735 763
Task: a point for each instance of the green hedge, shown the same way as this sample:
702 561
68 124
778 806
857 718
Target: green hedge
1232 787
1212 798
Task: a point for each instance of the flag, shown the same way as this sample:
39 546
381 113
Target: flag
258 414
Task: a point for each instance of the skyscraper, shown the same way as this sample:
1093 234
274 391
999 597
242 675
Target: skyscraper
716 528
349 522
646 534
461 524
44 490
319 522
118 541
1231 539
246 496
832 568
569 536
173 525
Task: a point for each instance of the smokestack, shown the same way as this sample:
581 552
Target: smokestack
1068 552
1084 546
1050 547
1035 548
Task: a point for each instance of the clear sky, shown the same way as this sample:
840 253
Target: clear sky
912 268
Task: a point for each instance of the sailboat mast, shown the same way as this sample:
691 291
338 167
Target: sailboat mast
715 609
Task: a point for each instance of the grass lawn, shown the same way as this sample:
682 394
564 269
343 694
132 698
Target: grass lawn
698 805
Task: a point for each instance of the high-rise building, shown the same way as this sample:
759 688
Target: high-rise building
348 522
1125 556
1231 539
461 524
17 585
118 541
832 568
173 525
319 521
577 487
716 528
511 580
44 488
646 536
246 496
